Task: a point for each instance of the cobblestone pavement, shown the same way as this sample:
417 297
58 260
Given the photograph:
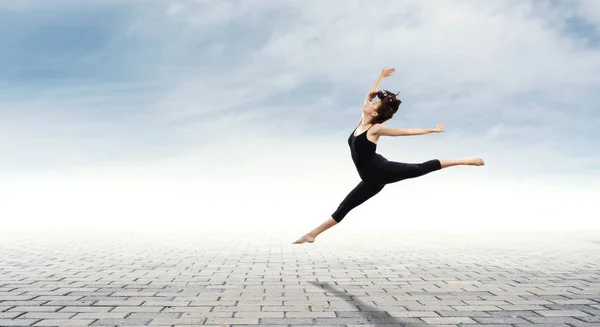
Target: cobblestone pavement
345 278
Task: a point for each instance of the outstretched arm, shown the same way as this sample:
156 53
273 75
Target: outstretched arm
393 131
384 73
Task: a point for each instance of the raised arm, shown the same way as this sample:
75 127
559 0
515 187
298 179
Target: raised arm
394 131
384 73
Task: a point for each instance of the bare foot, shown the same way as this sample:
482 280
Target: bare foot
475 162
304 239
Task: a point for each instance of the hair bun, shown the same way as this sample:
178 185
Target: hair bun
389 97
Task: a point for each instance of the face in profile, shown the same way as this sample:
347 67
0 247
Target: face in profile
371 107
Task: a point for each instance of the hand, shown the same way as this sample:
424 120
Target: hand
387 72
439 128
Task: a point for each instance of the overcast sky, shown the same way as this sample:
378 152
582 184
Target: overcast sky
237 113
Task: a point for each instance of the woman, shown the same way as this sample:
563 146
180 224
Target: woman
375 170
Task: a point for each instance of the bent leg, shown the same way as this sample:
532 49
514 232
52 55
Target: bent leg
361 193
397 171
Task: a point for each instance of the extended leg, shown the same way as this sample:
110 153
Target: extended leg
393 171
396 171
361 193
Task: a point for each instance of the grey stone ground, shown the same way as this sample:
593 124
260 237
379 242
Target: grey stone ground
345 278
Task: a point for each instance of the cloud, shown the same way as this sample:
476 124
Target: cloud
589 10
481 64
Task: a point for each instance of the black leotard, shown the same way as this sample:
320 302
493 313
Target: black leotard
375 168
376 171
362 151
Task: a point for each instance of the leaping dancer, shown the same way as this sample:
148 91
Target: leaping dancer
375 170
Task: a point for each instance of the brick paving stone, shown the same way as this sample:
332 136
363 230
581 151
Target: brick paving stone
49 315
407 314
286 308
165 303
64 322
522 307
12 315
17 322
449 320
90 309
189 310
430 278
114 303
584 324
100 315
428 307
500 320
562 313
579 307
573 301
514 313
217 314
310 314
70 303
442 302
120 321
475 308
210 303
518 325
422 324
260 314
129 309
594 319
153 315
235 308
552 320
188 320
444 313
34 309
337 308
521 301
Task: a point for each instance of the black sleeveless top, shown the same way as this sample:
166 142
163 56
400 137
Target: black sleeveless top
361 149
369 164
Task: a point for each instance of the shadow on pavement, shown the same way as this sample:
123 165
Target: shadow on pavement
369 311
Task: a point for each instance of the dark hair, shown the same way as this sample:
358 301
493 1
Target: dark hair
389 106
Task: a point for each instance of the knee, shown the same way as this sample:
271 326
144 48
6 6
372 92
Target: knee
340 213
338 216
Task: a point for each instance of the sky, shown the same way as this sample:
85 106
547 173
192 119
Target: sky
236 114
